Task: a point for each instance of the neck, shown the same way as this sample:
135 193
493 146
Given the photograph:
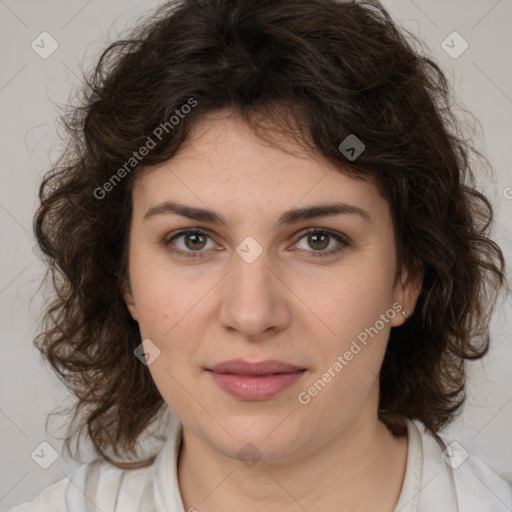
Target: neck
360 469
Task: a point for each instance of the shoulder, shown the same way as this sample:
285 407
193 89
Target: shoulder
107 486
50 498
456 476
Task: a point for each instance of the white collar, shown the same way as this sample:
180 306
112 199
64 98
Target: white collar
429 482
411 486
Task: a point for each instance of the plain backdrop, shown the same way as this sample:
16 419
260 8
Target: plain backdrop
31 87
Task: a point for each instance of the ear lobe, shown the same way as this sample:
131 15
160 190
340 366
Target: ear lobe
407 291
130 302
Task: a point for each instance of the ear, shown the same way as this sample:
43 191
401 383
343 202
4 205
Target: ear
407 290
129 300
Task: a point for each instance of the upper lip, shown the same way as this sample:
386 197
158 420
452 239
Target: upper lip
267 367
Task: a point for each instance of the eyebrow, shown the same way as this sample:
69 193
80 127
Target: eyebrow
286 218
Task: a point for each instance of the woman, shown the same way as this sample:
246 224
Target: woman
265 223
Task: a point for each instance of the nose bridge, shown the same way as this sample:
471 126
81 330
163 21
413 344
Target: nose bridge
252 301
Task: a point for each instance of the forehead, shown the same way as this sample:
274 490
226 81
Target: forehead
225 163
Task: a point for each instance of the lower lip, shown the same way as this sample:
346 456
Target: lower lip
253 387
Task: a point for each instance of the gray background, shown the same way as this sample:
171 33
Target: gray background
30 90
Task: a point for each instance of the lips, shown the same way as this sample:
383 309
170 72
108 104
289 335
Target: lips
255 381
241 367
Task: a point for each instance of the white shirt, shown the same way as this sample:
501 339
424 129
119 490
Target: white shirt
431 483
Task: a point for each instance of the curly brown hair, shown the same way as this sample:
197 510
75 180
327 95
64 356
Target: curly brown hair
320 70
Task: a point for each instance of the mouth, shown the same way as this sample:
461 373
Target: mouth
255 381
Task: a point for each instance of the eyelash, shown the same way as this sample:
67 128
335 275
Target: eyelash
315 254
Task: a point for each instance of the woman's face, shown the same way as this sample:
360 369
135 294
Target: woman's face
261 288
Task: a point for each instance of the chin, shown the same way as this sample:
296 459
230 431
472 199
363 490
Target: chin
266 438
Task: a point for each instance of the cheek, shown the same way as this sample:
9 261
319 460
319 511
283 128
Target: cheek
350 350
349 356
350 301
161 295
168 305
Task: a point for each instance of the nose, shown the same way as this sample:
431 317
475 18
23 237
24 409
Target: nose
255 298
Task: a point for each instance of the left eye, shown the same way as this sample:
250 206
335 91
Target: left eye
195 240
320 238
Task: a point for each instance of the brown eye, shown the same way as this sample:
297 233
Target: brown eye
194 241
320 239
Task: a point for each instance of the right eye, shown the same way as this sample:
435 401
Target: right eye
194 241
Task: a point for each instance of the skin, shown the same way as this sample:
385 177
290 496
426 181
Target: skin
333 453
